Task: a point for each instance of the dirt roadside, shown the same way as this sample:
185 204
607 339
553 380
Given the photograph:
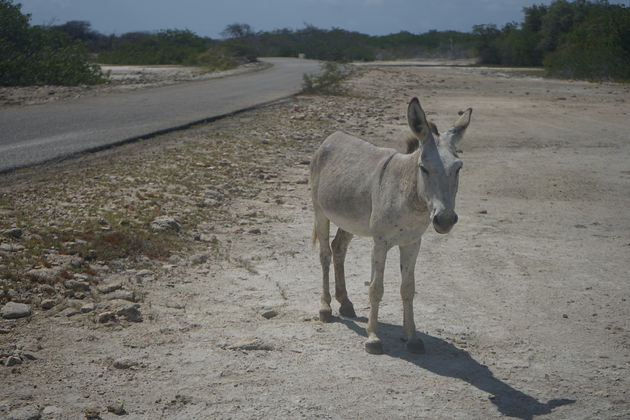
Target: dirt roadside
523 307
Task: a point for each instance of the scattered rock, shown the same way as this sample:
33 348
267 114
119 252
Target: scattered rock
117 409
52 412
48 304
109 287
255 231
7 350
15 233
124 364
251 343
14 310
11 248
92 413
130 313
174 304
88 307
106 317
43 275
165 224
144 273
12 361
68 312
199 259
209 238
270 314
30 412
122 295
77 286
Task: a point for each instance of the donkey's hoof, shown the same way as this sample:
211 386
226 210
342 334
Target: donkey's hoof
374 346
325 315
415 346
347 309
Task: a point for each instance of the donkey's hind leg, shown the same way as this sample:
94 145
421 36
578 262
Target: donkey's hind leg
322 233
339 249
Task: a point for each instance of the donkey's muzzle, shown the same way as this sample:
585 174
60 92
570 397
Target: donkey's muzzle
443 222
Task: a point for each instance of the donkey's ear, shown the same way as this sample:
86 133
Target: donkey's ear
456 133
418 121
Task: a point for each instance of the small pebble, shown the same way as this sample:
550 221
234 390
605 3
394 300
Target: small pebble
106 317
124 364
48 304
13 310
130 313
88 307
12 361
117 409
270 314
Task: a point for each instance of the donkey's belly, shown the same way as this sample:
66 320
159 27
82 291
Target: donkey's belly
350 224
350 213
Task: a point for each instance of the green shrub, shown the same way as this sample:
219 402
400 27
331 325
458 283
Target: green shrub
165 47
39 55
329 81
597 49
215 58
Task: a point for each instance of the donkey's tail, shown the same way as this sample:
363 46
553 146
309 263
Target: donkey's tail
314 238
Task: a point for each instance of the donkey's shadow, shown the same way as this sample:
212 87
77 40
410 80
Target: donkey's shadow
445 359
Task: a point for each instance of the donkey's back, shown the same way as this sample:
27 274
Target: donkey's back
342 177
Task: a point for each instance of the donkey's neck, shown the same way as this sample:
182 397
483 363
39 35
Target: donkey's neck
408 178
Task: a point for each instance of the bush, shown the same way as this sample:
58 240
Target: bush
597 49
165 47
580 39
215 58
329 81
38 55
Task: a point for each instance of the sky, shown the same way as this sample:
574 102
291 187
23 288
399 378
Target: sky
210 17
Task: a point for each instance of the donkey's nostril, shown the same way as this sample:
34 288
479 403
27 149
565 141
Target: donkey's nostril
443 222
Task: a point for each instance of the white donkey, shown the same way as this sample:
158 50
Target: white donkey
393 197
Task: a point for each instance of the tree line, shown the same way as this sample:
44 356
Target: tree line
577 39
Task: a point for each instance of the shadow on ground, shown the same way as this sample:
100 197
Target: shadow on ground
445 359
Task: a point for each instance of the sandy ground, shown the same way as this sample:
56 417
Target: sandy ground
523 308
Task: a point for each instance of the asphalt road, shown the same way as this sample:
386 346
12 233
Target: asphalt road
36 134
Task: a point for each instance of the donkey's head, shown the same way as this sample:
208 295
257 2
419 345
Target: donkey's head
439 165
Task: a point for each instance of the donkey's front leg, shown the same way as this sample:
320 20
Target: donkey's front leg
373 344
408 257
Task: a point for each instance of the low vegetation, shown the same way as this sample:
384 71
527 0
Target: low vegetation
329 81
576 39
580 39
35 55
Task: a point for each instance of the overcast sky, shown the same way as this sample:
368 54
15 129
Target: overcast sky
209 17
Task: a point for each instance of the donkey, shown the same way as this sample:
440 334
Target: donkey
390 196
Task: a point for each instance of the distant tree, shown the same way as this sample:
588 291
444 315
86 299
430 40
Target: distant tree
82 31
237 30
487 48
169 46
534 16
598 48
39 55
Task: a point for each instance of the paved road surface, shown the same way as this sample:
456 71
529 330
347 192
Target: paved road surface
39 133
